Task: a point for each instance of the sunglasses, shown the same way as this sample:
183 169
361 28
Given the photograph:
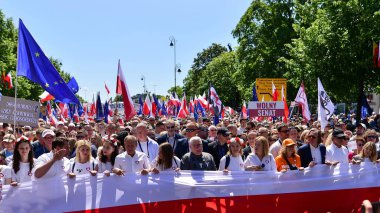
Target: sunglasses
360 144
191 130
170 127
285 131
371 136
212 130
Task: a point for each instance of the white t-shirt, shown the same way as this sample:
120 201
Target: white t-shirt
274 149
104 166
267 163
333 153
176 163
23 175
82 168
59 168
5 173
150 148
236 164
132 164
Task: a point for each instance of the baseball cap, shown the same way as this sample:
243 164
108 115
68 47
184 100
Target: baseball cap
288 142
47 132
223 131
338 133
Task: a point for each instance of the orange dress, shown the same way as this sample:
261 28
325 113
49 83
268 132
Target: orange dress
281 162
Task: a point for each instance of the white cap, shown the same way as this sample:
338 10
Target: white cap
71 124
47 132
60 123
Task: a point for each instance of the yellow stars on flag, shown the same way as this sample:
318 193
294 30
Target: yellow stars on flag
46 85
37 54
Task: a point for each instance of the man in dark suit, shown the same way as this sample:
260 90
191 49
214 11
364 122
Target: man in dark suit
219 147
251 144
314 152
171 136
182 146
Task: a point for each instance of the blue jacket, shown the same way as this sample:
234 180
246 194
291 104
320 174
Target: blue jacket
305 153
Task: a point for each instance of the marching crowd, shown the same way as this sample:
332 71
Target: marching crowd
151 145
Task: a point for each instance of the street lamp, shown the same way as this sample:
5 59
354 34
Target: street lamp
176 66
143 79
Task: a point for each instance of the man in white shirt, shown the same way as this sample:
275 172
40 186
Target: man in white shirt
144 143
336 152
53 163
131 160
283 133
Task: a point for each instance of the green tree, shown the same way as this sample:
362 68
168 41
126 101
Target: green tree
178 90
8 53
220 72
335 44
191 81
262 33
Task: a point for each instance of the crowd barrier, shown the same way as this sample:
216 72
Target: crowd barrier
323 188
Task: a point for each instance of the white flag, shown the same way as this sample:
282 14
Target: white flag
325 106
302 100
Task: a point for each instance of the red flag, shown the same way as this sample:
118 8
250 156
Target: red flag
274 92
286 109
122 88
108 90
147 107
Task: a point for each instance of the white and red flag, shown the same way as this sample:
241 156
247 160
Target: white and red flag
244 111
45 96
301 99
122 89
147 107
274 92
108 90
183 112
286 109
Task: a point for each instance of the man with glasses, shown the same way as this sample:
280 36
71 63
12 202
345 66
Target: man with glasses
182 146
336 152
283 133
219 147
171 136
211 133
313 152
196 159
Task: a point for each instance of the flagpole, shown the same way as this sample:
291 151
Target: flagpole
16 84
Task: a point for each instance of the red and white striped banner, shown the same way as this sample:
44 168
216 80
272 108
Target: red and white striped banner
320 189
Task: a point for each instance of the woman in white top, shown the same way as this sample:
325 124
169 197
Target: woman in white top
106 158
83 162
261 159
23 161
367 154
233 161
165 160
5 175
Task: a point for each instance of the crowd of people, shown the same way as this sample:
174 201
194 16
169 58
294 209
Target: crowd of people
152 145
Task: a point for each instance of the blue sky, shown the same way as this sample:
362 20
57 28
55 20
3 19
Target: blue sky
90 36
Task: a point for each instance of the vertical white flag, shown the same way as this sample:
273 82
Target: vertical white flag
302 100
325 106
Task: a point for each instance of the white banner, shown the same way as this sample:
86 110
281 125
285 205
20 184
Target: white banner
239 190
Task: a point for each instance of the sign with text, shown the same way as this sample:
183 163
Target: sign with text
266 108
27 111
264 88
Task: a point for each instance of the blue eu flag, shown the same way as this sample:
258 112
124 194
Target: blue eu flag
73 85
33 64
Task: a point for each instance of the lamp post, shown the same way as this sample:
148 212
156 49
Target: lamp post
144 86
176 67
